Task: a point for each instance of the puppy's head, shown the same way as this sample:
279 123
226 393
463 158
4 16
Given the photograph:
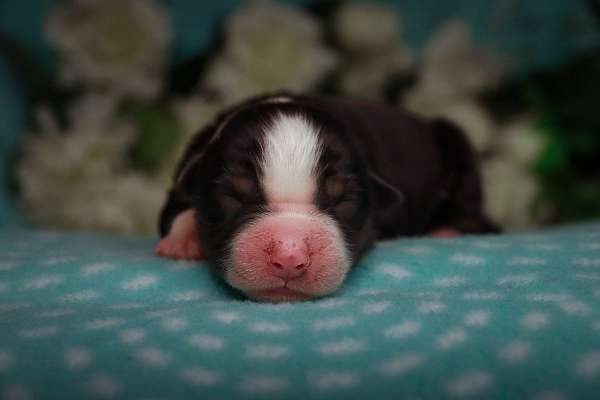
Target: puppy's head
282 199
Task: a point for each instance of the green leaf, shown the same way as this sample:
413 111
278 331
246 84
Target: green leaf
158 134
553 158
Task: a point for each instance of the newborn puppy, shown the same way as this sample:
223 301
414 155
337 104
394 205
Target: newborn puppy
283 194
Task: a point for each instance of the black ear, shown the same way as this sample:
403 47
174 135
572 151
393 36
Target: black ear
384 193
389 207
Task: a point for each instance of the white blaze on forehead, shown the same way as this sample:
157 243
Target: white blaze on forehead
291 150
278 99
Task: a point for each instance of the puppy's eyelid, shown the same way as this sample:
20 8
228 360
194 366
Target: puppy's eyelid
243 184
338 185
345 208
334 187
229 203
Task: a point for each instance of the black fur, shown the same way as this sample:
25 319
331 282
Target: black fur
383 173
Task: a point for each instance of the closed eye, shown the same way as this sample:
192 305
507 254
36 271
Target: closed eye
243 185
230 204
346 208
236 191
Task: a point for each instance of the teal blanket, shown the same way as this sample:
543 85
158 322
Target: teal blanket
496 317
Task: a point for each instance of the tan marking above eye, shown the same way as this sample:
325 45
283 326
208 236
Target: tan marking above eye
229 204
334 187
243 184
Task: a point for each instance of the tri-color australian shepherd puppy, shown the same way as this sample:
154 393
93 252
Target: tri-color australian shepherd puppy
283 194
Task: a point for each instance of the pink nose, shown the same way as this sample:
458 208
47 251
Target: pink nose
289 258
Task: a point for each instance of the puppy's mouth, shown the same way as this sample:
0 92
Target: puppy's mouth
281 293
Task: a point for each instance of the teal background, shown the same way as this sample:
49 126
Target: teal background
537 33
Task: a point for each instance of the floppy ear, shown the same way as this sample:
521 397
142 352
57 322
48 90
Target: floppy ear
384 193
184 172
389 206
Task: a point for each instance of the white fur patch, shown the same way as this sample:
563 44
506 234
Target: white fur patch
219 129
291 150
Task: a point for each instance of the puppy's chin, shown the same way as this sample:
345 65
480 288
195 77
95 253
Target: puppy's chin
249 268
278 295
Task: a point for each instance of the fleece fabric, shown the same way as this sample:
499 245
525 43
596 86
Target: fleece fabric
86 316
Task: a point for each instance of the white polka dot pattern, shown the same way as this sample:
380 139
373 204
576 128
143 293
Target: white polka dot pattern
174 324
534 321
515 351
267 351
43 282
98 324
132 335
153 357
139 283
395 271
402 330
270 327
470 383
477 318
331 381
77 358
333 323
263 384
198 376
343 346
451 338
207 342
96 268
401 365
227 317
40 332
103 385
5 361
589 365
505 316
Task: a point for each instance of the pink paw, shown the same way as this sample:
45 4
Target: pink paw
186 248
445 233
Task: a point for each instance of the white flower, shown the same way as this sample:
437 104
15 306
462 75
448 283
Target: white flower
125 203
522 142
509 191
454 69
510 185
84 149
366 27
465 112
78 179
453 65
269 46
93 110
371 35
366 77
115 45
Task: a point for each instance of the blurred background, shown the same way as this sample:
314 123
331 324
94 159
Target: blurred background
98 98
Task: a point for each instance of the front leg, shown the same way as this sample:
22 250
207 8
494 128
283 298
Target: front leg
446 232
182 241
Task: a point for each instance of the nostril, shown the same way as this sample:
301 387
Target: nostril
301 266
276 265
